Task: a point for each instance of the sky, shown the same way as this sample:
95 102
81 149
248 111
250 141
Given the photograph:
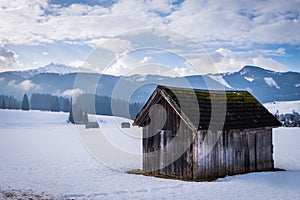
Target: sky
166 37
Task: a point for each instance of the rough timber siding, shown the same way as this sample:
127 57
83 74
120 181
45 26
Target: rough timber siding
235 152
243 145
182 167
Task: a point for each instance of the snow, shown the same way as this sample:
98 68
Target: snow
270 81
283 107
249 79
39 151
53 68
57 68
220 79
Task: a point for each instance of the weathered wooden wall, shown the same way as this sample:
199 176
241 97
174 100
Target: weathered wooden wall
234 152
154 141
204 154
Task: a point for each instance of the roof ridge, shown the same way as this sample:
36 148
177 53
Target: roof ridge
198 89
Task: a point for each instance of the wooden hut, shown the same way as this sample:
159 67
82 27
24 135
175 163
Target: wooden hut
125 125
199 134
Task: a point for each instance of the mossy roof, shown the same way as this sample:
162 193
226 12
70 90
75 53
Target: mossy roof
212 109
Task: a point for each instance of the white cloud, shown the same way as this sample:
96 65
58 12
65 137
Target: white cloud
128 65
206 21
45 23
12 83
162 6
2 79
212 23
113 44
269 63
238 22
77 63
8 59
72 92
147 59
226 60
180 71
27 85
24 85
45 53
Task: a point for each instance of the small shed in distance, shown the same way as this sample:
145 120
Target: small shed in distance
91 125
198 142
125 125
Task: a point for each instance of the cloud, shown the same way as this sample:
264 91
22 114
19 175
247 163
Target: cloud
226 60
2 79
180 71
112 44
24 85
123 65
72 92
147 59
239 23
160 6
214 24
42 22
8 59
76 63
45 53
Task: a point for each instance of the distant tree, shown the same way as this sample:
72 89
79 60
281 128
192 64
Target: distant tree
55 104
277 114
71 117
67 106
3 104
25 103
9 102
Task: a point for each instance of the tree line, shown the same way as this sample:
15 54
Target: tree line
37 101
81 106
9 102
102 105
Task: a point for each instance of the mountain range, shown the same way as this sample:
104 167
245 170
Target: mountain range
58 79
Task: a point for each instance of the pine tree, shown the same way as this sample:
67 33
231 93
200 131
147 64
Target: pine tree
3 104
25 103
71 117
55 105
66 105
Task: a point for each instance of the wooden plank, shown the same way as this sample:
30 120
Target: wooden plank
195 154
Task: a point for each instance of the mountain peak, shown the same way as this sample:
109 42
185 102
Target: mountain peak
252 69
57 68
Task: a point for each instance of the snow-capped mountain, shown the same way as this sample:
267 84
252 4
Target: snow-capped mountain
57 68
52 68
265 85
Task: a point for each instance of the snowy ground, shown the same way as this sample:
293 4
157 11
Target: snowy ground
283 107
39 151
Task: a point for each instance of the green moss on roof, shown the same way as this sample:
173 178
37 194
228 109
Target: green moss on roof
243 111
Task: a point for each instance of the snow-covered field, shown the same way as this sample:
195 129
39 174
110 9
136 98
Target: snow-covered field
283 107
39 151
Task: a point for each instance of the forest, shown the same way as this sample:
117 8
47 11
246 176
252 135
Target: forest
85 103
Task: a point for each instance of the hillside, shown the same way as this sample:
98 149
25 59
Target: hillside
265 85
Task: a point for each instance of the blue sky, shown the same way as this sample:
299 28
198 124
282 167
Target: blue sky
232 33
